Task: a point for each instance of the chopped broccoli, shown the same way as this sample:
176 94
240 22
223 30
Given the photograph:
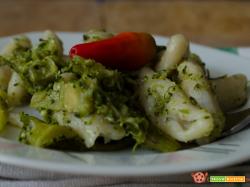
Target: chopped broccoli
97 92
69 97
36 74
40 72
38 66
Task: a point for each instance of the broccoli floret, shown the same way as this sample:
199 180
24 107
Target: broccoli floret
3 110
96 35
38 133
157 140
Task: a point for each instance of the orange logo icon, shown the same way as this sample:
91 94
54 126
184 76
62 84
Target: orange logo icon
199 177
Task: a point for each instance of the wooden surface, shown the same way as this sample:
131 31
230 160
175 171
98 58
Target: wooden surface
211 22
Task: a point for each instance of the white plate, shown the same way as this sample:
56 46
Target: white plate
228 151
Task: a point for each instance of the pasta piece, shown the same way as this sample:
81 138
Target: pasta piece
5 75
171 110
91 127
231 91
197 87
20 43
50 46
177 48
17 44
57 43
14 119
67 77
16 93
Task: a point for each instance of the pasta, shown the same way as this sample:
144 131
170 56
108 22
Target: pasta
195 84
16 93
84 104
177 48
171 110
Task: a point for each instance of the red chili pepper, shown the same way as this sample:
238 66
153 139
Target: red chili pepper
125 51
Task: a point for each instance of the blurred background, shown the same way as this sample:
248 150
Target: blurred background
217 23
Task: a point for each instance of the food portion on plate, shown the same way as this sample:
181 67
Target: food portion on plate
114 92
